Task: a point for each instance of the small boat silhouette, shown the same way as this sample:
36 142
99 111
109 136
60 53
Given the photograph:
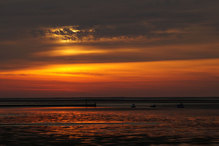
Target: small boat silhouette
180 105
133 106
153 106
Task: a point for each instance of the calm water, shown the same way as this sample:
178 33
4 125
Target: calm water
110 125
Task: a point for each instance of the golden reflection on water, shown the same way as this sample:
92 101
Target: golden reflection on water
93 125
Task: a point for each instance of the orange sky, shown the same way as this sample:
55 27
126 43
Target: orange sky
111 48
189 78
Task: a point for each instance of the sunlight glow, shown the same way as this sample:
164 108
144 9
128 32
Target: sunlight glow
136 71
102 78
78 50
68 52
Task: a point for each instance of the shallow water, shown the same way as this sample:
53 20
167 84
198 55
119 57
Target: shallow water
110 125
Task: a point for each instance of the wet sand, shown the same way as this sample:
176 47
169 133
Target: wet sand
111 124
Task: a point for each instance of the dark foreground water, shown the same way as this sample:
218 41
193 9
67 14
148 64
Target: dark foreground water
110 125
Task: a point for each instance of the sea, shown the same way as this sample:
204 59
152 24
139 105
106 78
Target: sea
114 121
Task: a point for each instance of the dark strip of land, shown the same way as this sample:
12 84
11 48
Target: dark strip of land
116 99
48 105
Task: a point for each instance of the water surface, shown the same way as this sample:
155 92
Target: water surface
110 125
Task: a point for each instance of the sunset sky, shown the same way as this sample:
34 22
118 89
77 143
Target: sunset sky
105 48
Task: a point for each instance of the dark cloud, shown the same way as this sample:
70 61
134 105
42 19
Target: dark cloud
125 14
25 24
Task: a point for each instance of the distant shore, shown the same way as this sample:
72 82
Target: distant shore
117 99
94 101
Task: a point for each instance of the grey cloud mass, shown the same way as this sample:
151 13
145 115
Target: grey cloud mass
163 25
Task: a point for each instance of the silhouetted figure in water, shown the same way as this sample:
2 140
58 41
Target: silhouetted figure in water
133 106
153 106
180 105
